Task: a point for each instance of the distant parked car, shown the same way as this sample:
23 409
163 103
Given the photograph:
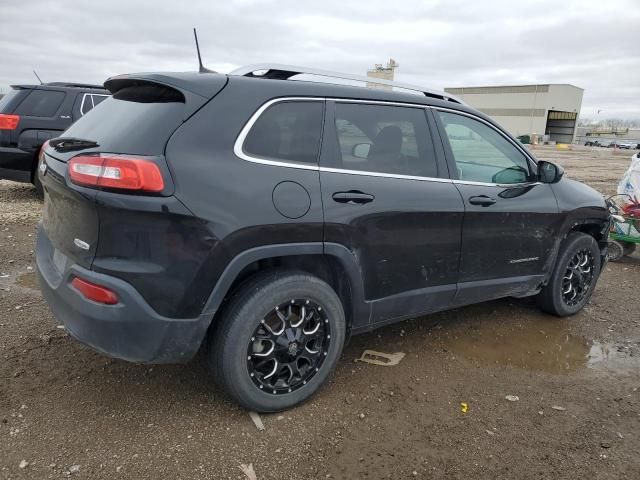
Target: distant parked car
627 145
32 114
597 143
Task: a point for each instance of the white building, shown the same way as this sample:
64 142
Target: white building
549 109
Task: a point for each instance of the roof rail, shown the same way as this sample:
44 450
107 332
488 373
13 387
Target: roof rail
73 85
284 72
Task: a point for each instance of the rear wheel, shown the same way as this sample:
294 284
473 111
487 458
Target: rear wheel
574 276
277 341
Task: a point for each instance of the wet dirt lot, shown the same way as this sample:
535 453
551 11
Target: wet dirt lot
66 411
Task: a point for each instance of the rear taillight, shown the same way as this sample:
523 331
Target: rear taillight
94 292
119 172
9 122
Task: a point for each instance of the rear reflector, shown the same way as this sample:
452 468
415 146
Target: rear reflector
9 122
117 172
94 292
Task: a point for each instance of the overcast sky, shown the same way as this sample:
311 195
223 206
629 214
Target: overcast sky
592 44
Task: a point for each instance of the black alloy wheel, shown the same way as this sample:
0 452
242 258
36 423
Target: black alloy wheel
289 346
578 277
277 340
574 276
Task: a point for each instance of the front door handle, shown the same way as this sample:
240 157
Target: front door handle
482 200
353 197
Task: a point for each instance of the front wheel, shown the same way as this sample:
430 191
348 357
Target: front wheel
277 341
574 276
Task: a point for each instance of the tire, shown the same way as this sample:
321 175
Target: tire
565 294
615 250
628 248
38 185
242 338
36 181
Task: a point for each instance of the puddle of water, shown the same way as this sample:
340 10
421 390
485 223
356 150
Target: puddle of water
540 346
28 280
616 357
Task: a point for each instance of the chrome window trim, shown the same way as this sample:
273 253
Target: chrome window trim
501 185
239 152
385 175
239 143
84 98
379 102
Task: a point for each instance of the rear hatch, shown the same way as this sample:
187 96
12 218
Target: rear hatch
135 123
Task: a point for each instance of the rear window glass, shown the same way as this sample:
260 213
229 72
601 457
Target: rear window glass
4 101
287 131
40 103
124 125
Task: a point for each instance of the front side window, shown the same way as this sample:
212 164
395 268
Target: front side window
385 139
287 131
481 153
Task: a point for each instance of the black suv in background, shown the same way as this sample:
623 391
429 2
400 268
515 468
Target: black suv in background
270 219
32 114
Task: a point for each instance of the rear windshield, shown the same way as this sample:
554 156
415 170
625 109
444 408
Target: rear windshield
40 103
6 100
137 120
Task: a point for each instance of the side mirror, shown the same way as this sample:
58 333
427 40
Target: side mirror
361 150
549 172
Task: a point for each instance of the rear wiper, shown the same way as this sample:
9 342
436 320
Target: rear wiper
70 144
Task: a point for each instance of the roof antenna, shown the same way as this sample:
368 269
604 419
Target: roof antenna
202 69
39 79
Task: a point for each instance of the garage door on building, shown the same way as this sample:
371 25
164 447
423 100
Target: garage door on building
561 126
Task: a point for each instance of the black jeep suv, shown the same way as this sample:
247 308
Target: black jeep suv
269 219
32 114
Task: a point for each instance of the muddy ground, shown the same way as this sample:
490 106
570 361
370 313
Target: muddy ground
67 411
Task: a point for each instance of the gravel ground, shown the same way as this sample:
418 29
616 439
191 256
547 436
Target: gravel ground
68 411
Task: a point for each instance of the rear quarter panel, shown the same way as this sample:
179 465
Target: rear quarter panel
232 197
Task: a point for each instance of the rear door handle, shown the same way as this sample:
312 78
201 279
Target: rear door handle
482 200
353 197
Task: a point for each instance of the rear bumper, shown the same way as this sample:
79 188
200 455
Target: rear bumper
130 330
15 164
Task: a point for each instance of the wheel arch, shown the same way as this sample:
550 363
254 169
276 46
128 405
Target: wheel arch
333 263
597 228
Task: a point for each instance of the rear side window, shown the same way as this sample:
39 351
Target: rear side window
287 131
97 99
89 101
138 119
385 139
40 103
